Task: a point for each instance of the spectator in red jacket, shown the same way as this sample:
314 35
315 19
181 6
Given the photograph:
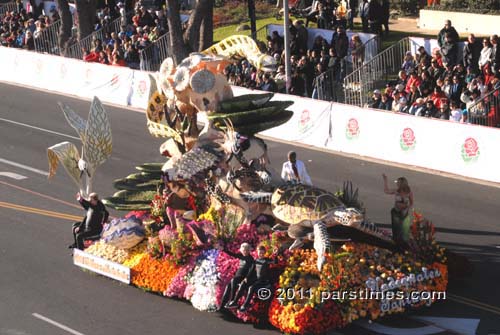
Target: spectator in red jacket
91 57
414 80
438 96
118 60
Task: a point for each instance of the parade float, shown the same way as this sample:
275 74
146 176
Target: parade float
216 190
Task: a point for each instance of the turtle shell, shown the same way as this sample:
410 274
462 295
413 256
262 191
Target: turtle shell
294 203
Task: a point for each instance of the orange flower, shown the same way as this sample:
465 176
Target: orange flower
154 275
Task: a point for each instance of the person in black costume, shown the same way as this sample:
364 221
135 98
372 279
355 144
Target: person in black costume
258 278
92 222
246 262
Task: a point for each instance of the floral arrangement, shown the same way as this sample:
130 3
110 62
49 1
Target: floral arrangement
171 263
153 275
179 283
112 253
176 245
158 207
423 242
201 289
298 306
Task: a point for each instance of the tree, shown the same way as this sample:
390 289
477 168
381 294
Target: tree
199 31
66 25
86 11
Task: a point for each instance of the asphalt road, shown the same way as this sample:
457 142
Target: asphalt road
39 284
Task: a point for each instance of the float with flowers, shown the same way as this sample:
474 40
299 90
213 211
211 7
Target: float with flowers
329 265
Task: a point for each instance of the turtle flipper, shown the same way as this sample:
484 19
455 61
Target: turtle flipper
279 227
322 242
298 243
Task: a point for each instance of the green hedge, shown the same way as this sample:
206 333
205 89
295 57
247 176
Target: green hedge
469 6
411 7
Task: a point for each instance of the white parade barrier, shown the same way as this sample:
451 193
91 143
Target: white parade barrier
461 149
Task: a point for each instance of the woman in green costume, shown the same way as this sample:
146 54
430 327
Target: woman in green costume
399 213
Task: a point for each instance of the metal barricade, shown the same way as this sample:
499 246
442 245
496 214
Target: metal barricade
48 40
8 7
328 85
153 55
261 35
120 22
371 48
375 73
486 111
76 50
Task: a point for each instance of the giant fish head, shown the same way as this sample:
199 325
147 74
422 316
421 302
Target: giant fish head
266 63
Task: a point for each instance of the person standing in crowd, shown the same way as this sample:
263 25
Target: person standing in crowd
297 85
449 50
358 51
313 11
340 42
352 7
93 221
302 36
448 43
447 29
402 203
485 55
363 14
471 53
374 17
341 14
495 54
294 170
385 10
456 89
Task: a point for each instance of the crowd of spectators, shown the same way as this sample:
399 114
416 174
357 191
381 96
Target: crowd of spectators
306 63
445 84
338 55
18 29
136 34
442 85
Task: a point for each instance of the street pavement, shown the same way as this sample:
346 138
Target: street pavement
42 291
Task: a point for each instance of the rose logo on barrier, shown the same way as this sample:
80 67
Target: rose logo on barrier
352 129
407 139
305 121
470 150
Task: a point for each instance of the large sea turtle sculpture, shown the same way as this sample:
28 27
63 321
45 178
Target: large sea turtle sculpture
310 212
